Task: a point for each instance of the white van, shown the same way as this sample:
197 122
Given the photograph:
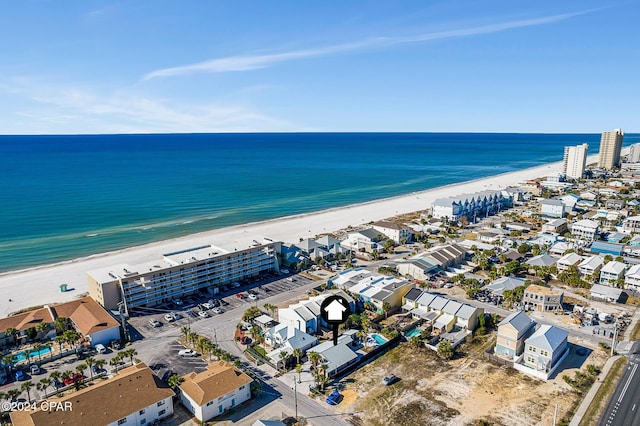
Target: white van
101 349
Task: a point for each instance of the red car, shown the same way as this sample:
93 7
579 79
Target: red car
240 295
69 380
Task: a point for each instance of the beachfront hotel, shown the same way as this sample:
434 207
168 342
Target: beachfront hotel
610 148
480 204
180 274
575 160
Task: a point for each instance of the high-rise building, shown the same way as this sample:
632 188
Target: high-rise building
634 153
610 147
575 160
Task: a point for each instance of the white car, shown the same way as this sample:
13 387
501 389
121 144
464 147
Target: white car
207 305
187 352
203 314
154 323
169 317
101 349
253 297
216 310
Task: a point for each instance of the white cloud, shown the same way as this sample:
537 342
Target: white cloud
252 62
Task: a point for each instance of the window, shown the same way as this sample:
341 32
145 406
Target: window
242 387
161 412
209 403
220 409
141 412
160 404
532 349
122 421
143 421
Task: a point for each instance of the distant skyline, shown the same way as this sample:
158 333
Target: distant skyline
88 67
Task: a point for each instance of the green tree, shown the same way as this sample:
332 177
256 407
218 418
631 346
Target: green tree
38 347
13 394
12 332
114 362
524 248
299 371
416 341
445 350
174 381
55 377
375 255
386 307
297 352
26 387
251 313
89 362
314 358
131 352
61 324
100 363
43 384
42 327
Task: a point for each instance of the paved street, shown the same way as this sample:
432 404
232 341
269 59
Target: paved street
624 407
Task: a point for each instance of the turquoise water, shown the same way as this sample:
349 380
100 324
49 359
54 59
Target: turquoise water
34 354
378 338
413 332
65 197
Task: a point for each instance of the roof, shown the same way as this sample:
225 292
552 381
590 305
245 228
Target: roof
548 337
443 320
570 259
538 289
438 303
218 379
337 356
425 298
268 423
542 260
518 320
452 307
26 320
552 202
586 223
614 267
263 319
606 291
131 390
413 294
593 262
499 285
467 311
607 248
389 225
86 314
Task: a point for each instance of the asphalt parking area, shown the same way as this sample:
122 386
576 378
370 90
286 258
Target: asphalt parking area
167 361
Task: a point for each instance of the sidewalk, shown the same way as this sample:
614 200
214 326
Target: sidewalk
592 392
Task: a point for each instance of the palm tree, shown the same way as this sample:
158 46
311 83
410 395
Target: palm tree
283 358
297 352
26 387
49 346
42 327
131 352
44 383
226 356
322 381
100 363
324 366
59 340
10 360
299 371
192 337
61 324
174 381
38 347
314 357
55 377
89 362
185 332
207 346
115 362
13 394
11 332
255 333
386 307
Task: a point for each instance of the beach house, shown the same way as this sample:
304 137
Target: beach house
585 229
135 396
365 240
632 278
552 208
567 261
631 225
219 388
474 205
544 351
608 294
556 226
512 332
542 299
590 267
612 272
395 231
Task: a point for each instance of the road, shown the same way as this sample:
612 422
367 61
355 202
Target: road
156 349
624 407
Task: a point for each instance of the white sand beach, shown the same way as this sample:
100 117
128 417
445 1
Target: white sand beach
40 285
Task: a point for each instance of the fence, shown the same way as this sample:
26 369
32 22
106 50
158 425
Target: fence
495 359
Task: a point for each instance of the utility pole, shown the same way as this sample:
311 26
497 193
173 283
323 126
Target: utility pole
295 396
613 342
215 337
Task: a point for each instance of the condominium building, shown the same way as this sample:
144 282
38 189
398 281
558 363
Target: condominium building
180 274
634 153
610 148
575 160
475 205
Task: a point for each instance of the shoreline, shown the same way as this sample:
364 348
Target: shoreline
38 285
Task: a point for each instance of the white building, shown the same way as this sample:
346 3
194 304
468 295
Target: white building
632 278
585 229
575 160
479 204
135 396
396 232
219 388
634 153
364 240
591 266
568 260
611 272
552 208
545 349
631 225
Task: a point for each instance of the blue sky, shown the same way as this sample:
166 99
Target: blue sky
207 66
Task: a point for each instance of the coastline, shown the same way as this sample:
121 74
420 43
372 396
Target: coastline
39 284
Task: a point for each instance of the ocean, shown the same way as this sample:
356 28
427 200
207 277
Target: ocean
64 197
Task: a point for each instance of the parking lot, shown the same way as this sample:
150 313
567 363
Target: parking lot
188 312
167 362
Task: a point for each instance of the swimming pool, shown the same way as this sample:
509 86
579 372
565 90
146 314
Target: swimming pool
413 332
33 354
378 338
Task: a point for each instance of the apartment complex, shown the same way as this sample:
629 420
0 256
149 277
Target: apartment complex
634 153
479 204
135 396
180 274
610 148
575 160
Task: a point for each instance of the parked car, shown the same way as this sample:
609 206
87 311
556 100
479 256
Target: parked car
101 349
216 310
20 376
240 295
253 297
187 353
115 344
245 340
203 314
206 305
169 317
95 369
154 323
388 380
334 398
35 369
76 377
178 302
